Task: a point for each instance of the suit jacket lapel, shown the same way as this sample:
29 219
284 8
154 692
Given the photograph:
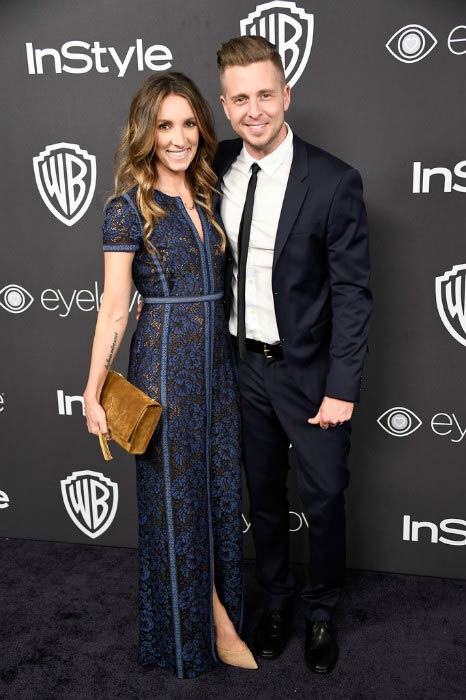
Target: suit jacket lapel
296 190
227 153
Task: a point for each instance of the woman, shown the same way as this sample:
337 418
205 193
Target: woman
160 231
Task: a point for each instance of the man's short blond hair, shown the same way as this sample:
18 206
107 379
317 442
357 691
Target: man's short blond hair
244 50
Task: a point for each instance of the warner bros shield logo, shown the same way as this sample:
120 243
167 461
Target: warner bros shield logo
66 176
287 26
450 292
91 500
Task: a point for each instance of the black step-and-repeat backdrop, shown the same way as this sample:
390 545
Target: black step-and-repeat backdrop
381 84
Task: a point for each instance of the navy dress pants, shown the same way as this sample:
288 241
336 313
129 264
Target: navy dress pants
274 413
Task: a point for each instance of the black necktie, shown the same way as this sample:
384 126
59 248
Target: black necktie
243 245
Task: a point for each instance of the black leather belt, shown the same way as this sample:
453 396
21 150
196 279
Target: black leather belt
269 351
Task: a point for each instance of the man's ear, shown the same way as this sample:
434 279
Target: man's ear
224 105
286 97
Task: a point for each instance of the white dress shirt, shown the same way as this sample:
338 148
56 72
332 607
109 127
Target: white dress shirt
272 179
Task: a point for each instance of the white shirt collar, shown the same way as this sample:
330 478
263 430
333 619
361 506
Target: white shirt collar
270 164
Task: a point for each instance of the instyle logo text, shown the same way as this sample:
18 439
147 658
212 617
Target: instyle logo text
77 57
453 531
439 178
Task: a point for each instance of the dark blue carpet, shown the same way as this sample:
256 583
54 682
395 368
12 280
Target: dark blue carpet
68 631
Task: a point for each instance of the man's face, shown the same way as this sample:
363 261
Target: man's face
255 101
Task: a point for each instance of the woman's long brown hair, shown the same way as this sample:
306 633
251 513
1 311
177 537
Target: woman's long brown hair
135 159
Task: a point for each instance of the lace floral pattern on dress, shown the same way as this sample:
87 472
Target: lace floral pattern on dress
189 479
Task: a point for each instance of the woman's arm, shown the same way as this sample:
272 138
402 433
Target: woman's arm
110 328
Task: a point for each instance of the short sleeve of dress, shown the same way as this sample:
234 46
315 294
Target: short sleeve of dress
121 228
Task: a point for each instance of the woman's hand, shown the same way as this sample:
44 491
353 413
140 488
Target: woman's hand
95 417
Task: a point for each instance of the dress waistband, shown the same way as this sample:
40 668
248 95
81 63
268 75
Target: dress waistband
183 300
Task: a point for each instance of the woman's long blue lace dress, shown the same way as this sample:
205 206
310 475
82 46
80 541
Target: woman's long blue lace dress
189 479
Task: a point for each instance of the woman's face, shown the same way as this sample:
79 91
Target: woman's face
177 135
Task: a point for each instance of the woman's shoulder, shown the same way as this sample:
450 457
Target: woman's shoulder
122 223
124 204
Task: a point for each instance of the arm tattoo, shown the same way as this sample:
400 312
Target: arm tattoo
108 361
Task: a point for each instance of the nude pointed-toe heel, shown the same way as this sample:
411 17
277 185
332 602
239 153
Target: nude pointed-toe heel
241 659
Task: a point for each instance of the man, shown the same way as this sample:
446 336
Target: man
299 307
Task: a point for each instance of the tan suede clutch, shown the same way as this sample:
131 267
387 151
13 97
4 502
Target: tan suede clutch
132 416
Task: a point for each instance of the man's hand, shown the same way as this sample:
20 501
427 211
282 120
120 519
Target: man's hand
332 412
138 313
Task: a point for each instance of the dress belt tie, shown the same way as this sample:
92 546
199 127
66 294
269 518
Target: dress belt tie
183 300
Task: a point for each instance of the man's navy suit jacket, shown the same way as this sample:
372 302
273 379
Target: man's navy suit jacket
320 274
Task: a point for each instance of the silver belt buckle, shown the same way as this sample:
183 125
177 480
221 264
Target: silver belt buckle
267 353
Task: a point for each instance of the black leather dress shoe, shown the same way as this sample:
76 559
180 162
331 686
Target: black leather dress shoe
321 650
271 634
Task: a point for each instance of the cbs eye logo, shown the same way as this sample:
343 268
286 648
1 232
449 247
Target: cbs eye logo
399 421
15 299
411 43
414 42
